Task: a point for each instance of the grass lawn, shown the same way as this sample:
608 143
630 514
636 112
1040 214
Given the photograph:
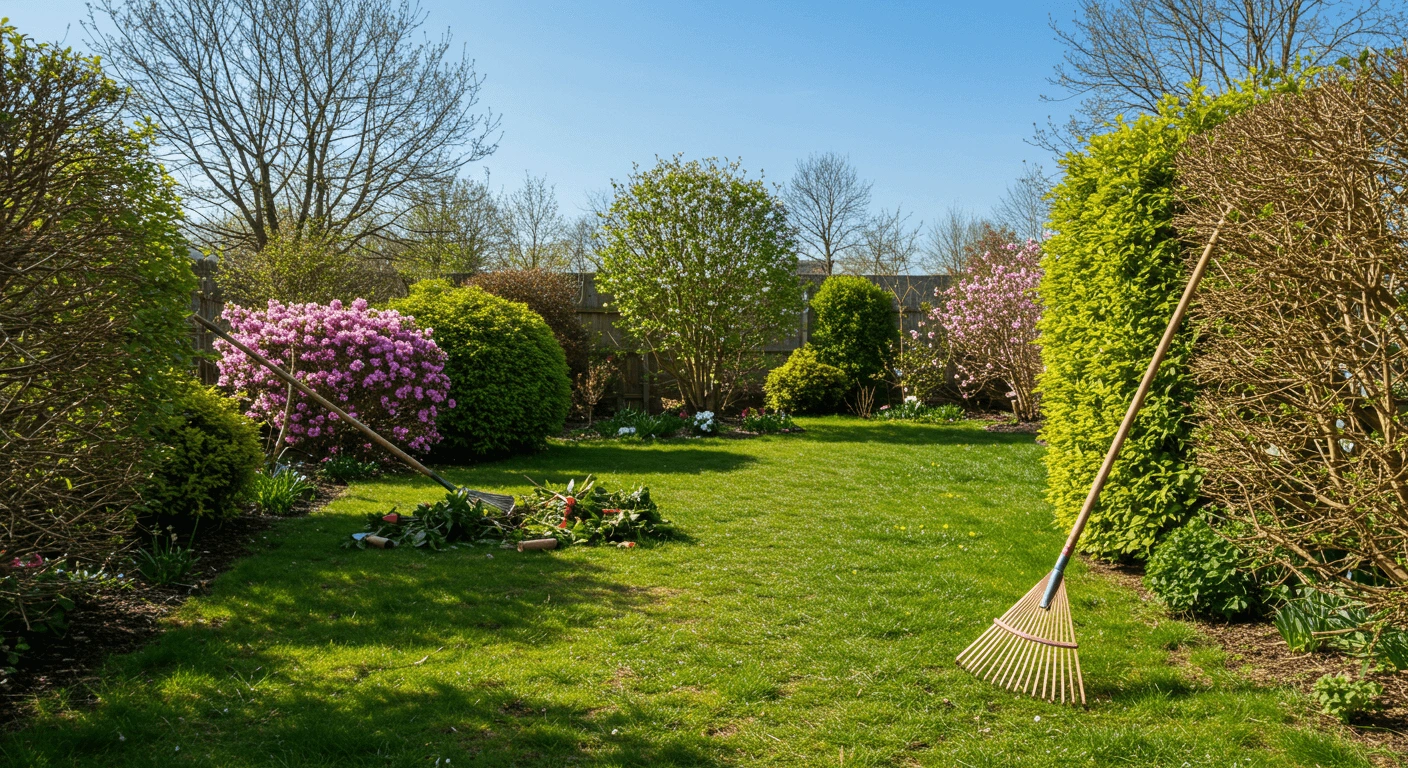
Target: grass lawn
826 584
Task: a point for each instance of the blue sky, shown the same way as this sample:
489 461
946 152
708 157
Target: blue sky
933 101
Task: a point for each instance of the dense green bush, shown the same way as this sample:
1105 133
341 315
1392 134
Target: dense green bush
553 296
508 375
1113 274
204 456
1197 571
804 384
855 327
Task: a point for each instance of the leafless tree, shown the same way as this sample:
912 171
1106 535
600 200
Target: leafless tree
950 240
887 245
452 227
302 114
1024 209
829 204
535 235
1122 56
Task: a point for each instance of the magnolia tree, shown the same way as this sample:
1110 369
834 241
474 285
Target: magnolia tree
377 365
988 320
701 263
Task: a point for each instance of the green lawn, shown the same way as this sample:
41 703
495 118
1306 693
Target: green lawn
826 583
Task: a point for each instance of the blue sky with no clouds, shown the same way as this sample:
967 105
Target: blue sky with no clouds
933 101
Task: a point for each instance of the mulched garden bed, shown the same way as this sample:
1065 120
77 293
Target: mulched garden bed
120 620
1256 650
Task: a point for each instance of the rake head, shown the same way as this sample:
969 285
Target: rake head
1031 649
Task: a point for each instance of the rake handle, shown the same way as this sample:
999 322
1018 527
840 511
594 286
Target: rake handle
326 403
1127 424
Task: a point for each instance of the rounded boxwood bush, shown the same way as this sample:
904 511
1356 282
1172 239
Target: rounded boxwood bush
204 455
804 384
508 375
856 329
1196 571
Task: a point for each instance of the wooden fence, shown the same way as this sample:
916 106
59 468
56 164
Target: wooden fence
641 384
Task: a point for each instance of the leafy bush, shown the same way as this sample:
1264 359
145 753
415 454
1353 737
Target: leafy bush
345 468
629 422
1197 571
1344 697
1113 274
856 327
805 384
765 423
553 296
276 492
375 364
913 410
508 373
95 294
205 455
299 266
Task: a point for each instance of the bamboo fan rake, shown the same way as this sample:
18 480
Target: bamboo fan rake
499 500
1032 648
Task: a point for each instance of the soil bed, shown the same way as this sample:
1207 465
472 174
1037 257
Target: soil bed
122 619
1257 651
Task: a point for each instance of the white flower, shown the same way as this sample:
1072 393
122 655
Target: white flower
625 431
911 399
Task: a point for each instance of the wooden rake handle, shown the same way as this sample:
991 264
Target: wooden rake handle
1134 406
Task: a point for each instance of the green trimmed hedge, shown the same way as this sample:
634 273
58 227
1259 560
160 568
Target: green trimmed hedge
204 455
1113 274
508 374
856 329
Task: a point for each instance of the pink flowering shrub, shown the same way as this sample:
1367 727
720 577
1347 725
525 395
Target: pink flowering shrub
988 319
375 364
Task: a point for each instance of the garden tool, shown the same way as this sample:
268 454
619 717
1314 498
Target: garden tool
1032 648
498 500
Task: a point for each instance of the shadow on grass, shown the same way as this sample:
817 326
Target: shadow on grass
560 462
901 433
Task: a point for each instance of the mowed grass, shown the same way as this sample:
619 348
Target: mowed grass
811 616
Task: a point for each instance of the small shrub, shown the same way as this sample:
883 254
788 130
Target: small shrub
856 327
1197 571
345 468
765 423
629 422
913 410
166 561
805 384
205 455
508 373
377 365
553 296
1345 698
1314 619
276 492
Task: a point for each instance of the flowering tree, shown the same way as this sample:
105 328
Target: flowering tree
376 364
989 322
702 265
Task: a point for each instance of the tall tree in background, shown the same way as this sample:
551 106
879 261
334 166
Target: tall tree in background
1123 55
296 114
887 245
1024 209
829 205
535 235
956 238
452 227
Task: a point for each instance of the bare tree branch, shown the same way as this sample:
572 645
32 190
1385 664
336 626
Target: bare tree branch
828 203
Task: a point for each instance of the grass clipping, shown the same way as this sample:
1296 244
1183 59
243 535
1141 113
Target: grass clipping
581 513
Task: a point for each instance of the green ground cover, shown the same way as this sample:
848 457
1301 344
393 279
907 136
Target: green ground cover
827 582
